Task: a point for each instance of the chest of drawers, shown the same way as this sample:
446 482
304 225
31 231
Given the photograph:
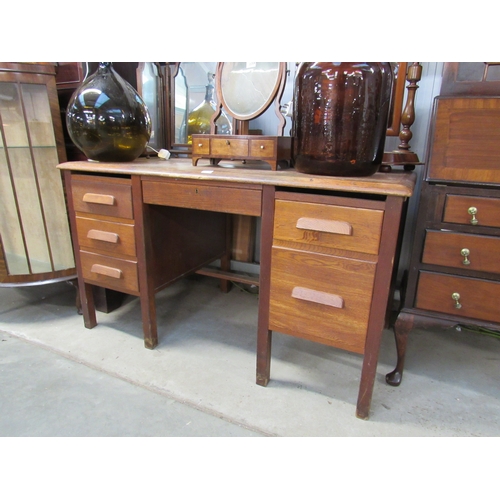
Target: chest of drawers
454 276
275 150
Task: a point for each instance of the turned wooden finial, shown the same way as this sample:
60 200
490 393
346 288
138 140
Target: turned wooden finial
403 155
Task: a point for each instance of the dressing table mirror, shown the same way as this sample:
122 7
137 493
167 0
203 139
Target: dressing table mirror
190 104
244 91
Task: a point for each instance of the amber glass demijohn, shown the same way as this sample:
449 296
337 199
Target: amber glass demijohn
107 119
340 117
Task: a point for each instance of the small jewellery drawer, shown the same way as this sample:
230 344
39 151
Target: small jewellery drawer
103 196
262 148
109 272
472 211
104 236
462 251
320 297
459 296
201 145
328 226
229 147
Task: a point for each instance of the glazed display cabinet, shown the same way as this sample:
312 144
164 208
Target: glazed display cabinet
35 241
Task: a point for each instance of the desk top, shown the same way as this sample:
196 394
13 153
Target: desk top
396 183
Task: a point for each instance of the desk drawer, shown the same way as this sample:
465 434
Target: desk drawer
328 226
229 147
479 299
108 272
102 196
204 196
459 210
104 236
462 251
323 298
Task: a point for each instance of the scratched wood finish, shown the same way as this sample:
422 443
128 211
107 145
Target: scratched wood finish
395 183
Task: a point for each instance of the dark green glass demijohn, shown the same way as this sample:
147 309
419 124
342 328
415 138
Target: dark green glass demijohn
107 119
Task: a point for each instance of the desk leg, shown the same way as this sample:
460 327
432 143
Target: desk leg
85 292
263 357
380 300
264 335
225 262
87 304
145 263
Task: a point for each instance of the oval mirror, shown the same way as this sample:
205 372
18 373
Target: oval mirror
246 89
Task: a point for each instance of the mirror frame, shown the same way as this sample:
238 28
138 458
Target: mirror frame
276 92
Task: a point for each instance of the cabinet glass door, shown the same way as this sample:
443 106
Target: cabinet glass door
34 229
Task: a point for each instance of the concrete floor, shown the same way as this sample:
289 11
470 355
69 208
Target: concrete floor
60 379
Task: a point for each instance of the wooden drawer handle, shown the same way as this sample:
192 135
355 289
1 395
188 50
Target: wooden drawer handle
112 272
96 234
325 226
327 299
99 199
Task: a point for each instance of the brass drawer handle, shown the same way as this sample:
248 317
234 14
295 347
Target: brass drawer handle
456 297
325 226
96 234
228 143
465 252
99 199
262 147
111 272
200 145
473 211
327 299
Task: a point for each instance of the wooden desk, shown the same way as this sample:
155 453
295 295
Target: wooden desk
329 245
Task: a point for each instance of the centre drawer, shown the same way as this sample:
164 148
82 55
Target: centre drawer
462 251
99 235
459 296
324 298
328 226
229 147
236 198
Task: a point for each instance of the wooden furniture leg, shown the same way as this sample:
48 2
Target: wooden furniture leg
264 335
402 327
384 277
145 262
225 285
405 323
